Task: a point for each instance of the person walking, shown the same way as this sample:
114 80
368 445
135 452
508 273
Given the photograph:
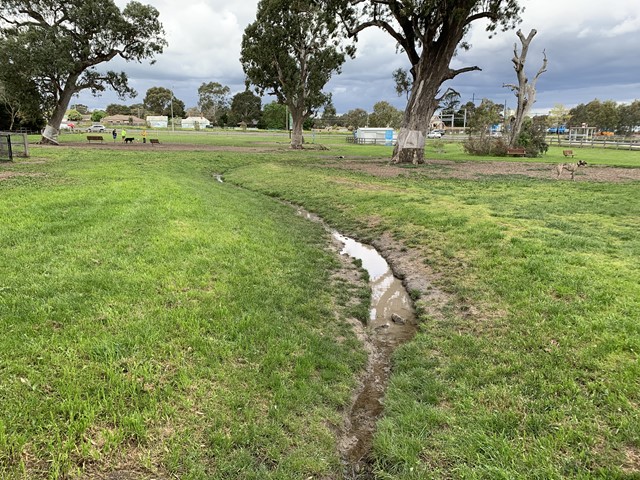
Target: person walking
144 135
123 134
114 134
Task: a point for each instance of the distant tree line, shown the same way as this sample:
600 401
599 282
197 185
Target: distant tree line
610 116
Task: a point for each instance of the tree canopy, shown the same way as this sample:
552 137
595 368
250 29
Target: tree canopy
213 100
158 100
291 51
484 116
429 32
245 107
385 115
274 116
53 48
356 118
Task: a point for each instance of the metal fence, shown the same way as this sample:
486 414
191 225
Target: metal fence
6 153
13 144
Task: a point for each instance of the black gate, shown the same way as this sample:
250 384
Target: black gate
5 147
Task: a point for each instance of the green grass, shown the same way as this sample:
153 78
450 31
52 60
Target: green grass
533 370
154 318
206 137
593 156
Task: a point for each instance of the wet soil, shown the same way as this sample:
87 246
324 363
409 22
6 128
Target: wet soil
391 323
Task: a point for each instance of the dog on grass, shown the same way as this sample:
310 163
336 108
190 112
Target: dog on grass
570 167
129 140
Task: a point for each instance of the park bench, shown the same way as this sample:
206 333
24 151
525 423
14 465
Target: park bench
154 140
97 138
568 153
519 151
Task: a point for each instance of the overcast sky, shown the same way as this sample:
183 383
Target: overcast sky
593 49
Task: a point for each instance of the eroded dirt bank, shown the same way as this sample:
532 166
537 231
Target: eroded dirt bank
392 322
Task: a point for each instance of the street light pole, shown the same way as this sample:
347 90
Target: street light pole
173 127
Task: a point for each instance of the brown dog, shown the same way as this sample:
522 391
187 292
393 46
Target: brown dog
570 167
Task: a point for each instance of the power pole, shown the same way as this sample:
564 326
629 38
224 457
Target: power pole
173 126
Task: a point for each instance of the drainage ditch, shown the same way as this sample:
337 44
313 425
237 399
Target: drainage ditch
391 323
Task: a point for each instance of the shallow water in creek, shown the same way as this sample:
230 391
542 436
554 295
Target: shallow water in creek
391 323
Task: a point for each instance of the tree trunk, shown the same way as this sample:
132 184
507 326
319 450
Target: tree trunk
296 132
51 131
417 118
525 90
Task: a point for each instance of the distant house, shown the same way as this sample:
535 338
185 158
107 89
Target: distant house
191 122
123 120
436 123
158 121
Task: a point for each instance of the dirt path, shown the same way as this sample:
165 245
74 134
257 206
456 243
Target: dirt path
481 170
260 147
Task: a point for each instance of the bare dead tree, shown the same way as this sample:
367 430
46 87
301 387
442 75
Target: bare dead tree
525 91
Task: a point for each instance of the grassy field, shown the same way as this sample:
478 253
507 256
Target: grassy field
159 322
155 321
436 149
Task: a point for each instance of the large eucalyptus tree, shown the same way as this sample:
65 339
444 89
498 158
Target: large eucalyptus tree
291 51
429 32
56 46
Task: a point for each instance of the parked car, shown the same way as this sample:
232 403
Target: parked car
97 128
434 134
562 129
67 126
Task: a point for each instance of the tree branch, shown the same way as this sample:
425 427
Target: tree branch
455 73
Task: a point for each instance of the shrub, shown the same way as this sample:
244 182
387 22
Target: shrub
494 146
532 136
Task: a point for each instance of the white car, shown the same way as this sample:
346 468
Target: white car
97 128
434 134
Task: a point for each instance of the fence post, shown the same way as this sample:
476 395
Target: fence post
25 142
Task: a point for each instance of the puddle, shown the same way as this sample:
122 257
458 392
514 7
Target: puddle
392 322
391 306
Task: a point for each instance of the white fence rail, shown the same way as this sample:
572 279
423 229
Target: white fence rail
617 144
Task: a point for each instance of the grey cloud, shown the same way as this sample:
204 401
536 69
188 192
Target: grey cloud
592 51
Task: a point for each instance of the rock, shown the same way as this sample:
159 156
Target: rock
398 319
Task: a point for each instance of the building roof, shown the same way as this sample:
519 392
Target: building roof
195 119
120 119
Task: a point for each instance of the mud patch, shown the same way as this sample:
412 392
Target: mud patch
443 169
632 460
8 174
391 323
418 278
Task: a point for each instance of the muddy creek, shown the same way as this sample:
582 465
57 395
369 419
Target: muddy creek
391 323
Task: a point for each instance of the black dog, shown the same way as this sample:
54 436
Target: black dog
129 140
